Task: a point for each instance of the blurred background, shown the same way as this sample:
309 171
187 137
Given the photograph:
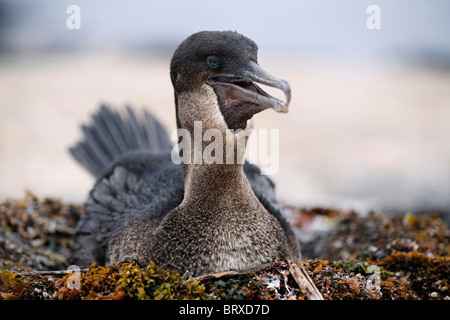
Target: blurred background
369 121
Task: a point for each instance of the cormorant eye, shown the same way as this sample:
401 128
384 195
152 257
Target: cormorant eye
213 63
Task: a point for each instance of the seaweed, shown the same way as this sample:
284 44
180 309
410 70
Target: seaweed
35 233
348 256
268 283
427 276
153 282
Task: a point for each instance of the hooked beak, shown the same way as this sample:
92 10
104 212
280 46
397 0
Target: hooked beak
242 86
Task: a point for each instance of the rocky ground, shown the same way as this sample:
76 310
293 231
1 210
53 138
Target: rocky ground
348 256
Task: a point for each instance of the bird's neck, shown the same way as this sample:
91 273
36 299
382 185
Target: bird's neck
212 156
215 168
218 181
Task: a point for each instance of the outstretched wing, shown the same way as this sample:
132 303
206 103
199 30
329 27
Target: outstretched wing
111 135
130 157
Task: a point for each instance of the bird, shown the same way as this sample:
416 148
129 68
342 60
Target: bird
188 216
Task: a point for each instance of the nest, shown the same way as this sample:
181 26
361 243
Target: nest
346 255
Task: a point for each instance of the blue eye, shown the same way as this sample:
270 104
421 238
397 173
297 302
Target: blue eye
213 63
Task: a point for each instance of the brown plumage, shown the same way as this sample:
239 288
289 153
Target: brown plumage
201 218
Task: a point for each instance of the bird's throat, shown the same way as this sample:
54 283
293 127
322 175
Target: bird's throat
211 155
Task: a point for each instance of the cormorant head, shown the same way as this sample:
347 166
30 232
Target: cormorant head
226 63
